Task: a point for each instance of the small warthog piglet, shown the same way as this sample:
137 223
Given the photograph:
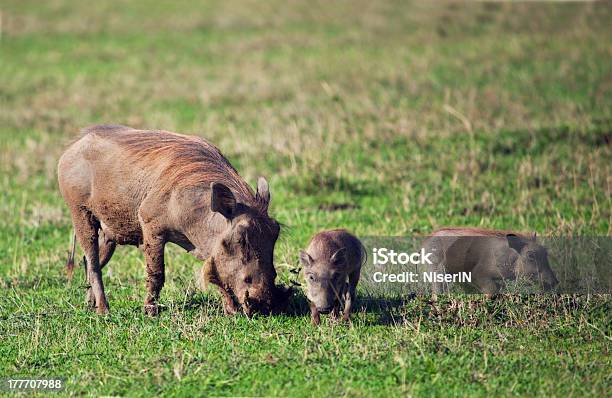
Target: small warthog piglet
332 263
491 257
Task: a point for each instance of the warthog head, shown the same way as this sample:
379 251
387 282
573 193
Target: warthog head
325 279
532 262
242 256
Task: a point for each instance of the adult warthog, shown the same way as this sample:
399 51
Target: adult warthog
147 188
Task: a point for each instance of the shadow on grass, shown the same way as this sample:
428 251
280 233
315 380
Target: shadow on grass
198 301
465 310
384 308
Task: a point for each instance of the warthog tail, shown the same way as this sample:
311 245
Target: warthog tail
70 262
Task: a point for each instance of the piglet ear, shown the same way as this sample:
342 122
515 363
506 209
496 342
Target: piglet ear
222 200
263 190
305 259
515 242
339 257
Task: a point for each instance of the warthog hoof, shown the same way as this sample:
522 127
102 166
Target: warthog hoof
90 299
102 310
151 309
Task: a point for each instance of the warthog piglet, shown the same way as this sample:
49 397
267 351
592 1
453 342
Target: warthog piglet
332 263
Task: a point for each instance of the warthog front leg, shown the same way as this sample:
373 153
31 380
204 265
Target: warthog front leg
229 305
484 280
209 275
153 248
438 266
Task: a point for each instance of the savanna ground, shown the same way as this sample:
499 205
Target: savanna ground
387 118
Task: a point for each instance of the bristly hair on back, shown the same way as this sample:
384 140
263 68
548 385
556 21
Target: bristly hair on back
473 231
187 160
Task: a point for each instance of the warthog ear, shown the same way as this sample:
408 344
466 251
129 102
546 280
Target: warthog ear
515 242
305 259
339 257
534 236
263 190
222 200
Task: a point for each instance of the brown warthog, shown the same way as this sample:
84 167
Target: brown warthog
147 188
332 258
490 256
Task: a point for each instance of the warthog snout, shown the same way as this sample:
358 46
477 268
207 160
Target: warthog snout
269 303
325 310
254 301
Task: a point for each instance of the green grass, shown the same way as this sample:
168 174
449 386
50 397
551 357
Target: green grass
406 117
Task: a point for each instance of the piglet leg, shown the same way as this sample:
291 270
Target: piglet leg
350 295
314 314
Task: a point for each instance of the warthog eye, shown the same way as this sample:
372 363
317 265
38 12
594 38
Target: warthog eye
311 277
248 280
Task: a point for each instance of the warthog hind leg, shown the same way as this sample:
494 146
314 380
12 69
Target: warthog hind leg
86 229
106 248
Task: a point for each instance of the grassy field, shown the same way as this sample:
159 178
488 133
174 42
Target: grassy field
387 118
